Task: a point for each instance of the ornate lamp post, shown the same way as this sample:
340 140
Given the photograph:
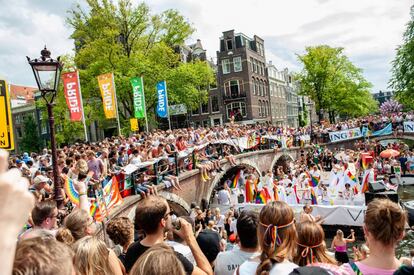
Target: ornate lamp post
47 74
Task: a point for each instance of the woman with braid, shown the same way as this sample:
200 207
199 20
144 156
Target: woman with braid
277 238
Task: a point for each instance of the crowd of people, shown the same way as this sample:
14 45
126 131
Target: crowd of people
61 240
158 242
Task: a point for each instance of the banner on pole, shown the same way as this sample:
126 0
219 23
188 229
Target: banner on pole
345 134
6 125
138 95
107 88
134 124
72 95
162 105
409 126
178 109
387 130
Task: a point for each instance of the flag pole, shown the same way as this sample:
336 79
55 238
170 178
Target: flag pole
83 110
168 111
116 105
145 104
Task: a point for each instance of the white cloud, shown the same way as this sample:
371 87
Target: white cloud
368 30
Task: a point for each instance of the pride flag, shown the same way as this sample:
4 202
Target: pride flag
249 191
365 182
313 197
235 181
352 177
263 196
296 193
313 180
70 191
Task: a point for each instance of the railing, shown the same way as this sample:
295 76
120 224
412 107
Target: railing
232 96
158 171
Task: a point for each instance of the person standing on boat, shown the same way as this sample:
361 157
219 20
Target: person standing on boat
339 245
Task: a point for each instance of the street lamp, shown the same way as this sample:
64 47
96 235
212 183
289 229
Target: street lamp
47 74
310 117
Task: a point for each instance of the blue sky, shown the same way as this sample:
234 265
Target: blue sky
368 30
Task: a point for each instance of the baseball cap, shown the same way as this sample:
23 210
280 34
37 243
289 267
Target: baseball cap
18 161
39 179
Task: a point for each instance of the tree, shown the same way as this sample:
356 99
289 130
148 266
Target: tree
334 83
30 141
130 41
402 79
390 106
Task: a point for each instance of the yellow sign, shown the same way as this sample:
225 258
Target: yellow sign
107 87
6 126
134 124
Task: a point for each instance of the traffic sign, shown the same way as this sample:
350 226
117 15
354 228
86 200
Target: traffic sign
6 127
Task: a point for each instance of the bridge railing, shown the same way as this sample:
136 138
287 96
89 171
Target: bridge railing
177 164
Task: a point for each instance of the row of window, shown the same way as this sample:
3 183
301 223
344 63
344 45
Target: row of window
279 110
237 65
257 66
204 108
259 87
277 90
236 110
264 108
233 87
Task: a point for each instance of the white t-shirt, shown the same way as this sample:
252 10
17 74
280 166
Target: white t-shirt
249 268
227 262
183 249
224 197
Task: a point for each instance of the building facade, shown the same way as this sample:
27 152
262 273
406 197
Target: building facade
242 78
292 99
277 92
211 112
381 96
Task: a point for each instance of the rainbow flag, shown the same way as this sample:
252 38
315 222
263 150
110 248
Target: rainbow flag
313 180
352 177
249 191
263 196
235 181
365 183
313 197
355 189
111 194
71 191
296 193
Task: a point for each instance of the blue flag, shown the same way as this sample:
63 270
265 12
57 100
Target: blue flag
387 130
162 105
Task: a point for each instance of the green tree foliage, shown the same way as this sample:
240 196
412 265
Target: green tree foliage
30 141
334 83
130 41
402 79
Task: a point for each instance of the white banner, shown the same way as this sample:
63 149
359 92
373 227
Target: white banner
352 215
409 126
345 134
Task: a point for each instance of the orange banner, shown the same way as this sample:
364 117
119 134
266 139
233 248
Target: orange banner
106 85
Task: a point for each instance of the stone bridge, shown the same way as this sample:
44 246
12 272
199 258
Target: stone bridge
194 190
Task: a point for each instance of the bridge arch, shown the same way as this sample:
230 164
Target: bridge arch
281 160
217 179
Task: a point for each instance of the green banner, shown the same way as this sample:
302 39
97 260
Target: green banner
139 97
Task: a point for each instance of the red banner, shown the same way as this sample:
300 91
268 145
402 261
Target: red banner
72 95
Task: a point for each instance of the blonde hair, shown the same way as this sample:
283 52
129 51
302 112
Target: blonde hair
160 259
74 228
340 234
91 257
41 255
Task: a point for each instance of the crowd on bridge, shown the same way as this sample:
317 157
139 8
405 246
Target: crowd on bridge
137 164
